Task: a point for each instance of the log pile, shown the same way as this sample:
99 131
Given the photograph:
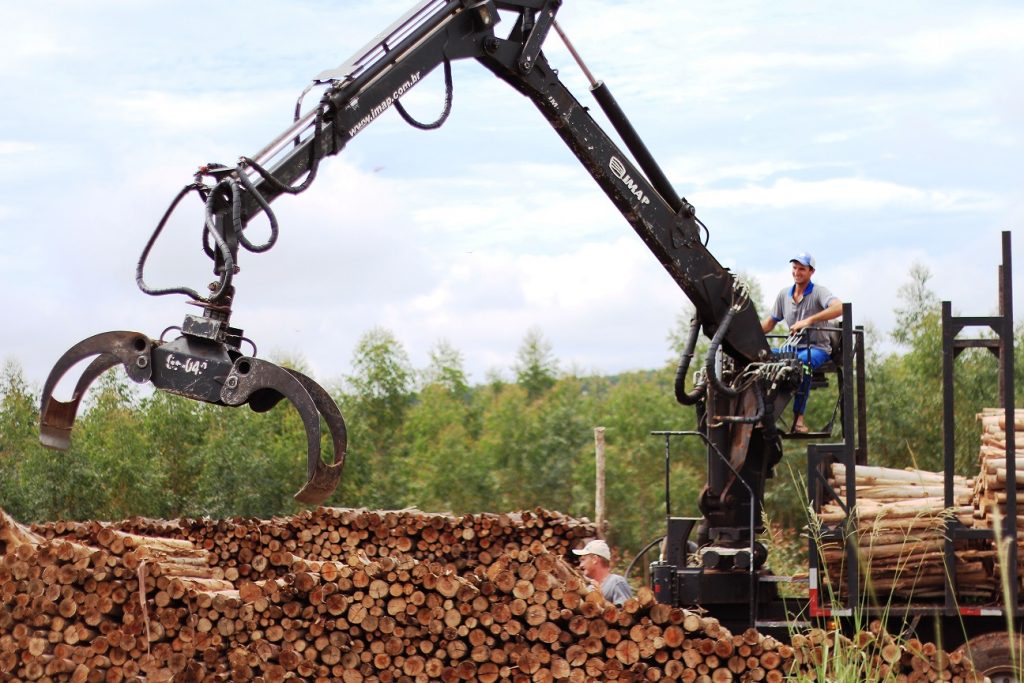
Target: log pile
131 606
990 490
263 549
900 524
154 607
991 485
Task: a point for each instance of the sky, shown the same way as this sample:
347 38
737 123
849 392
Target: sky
874 135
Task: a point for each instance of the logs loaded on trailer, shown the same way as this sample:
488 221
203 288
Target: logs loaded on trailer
992 484
901 517
153 600
900 529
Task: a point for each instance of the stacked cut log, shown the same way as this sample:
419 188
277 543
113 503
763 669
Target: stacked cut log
991 486
262 549
899 529
71 609
114 604
990 490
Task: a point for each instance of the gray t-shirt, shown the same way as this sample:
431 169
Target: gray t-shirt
816 299
615 589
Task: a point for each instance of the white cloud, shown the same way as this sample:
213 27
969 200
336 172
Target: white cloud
832 137
27 36
935 47
844 193
702 172
16 147
165 112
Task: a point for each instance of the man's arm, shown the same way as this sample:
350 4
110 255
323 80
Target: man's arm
833 311
769 323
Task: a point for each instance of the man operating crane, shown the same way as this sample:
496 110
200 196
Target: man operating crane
804 306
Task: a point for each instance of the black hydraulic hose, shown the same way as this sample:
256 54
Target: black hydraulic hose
141 265
688 398
643 551
251 189
314 159
227 267
709 360
445 111
709 365
753 419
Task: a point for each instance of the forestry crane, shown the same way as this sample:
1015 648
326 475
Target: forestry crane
740 388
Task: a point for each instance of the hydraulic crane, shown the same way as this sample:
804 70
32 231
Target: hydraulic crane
738 393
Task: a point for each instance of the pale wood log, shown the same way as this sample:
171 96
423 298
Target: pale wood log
867 474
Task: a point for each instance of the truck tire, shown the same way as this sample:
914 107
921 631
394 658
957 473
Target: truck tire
996 656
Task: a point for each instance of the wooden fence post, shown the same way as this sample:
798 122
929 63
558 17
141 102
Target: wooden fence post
599 510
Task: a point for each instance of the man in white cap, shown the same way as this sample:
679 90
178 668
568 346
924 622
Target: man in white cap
804 305
596 562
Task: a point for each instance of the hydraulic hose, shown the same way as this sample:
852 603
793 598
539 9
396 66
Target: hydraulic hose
709 360
709 365
629 569
753 419
688 398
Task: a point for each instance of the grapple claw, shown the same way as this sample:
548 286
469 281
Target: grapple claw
252 377
324 478
200 366
130 349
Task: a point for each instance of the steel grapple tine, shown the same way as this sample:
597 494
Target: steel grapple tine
250 375
130 349
325 477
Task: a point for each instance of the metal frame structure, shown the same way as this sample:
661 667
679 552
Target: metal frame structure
1002 347
951 618
852 450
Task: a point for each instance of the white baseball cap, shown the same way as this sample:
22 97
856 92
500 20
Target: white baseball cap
595 547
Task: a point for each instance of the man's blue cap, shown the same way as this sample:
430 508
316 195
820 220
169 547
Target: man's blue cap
803 258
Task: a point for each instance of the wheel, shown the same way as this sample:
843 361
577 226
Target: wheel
998 656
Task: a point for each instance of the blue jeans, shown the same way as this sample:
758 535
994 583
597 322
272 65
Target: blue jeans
811 356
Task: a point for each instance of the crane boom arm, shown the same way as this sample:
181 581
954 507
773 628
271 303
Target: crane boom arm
376 78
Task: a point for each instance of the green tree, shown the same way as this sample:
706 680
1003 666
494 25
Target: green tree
175 432
440 431
533 445
377 399
536 367
106 474
630 407
451 474
446 370
22 458
905 388
561 434
252 463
